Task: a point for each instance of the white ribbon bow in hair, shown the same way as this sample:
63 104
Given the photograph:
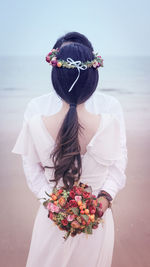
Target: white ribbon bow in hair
79 65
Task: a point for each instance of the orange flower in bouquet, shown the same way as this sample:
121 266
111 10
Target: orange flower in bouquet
74 211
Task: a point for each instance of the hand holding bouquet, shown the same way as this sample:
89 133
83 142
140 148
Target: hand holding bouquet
74 211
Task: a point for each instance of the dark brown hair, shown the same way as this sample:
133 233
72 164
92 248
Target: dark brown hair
66 158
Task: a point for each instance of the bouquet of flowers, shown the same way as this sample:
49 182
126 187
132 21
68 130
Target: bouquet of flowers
74 211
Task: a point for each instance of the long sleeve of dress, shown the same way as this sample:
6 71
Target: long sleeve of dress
116 179
33 170
36 179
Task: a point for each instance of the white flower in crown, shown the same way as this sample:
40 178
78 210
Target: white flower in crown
95 64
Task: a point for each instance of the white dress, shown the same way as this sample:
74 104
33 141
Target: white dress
103 167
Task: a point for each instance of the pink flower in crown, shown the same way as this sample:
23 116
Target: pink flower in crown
48 58
70 218
78 198
54 61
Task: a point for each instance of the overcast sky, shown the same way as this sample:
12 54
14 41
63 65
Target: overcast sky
115 27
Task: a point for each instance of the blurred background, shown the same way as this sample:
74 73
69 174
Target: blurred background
120 33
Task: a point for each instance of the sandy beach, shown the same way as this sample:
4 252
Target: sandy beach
130 208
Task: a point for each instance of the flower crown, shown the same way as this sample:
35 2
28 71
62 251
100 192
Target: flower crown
51 58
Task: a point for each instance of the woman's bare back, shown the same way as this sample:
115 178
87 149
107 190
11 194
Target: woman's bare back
89 121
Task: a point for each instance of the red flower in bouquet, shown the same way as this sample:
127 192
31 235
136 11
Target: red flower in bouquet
73 203
60 191
72 194
99 212
51 215
64 222
88 202
95 226
92 209
78 190
86 194
66 206
83 221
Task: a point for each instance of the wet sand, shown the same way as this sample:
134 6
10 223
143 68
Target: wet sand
130 208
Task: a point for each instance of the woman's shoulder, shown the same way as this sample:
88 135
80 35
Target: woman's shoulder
105 146
107 102
43 104
33 122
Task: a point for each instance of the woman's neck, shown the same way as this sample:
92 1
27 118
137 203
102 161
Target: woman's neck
66 106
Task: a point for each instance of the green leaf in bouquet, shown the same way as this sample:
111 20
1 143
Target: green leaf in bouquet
61 216
54 190
67 235
58 220
47 194
65 194
89 229
75 210
41 198
88 189
45 203
85 217
71 230
78 218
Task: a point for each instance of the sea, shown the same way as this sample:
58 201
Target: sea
25 77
